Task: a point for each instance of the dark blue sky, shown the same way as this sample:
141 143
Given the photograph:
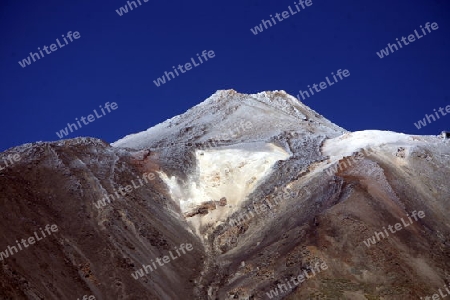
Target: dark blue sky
118 57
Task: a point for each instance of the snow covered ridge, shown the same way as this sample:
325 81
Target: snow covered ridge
271 113
384 145
348 143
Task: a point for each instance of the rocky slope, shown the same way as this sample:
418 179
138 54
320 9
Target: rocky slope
261 187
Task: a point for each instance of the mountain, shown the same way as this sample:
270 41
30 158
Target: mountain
241 197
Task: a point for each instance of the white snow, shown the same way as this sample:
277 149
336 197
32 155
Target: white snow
270 114
232 172
348 143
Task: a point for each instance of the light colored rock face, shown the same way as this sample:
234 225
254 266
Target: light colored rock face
231 172
285 190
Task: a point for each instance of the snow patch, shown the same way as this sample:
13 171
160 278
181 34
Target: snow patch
232 172
348 143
